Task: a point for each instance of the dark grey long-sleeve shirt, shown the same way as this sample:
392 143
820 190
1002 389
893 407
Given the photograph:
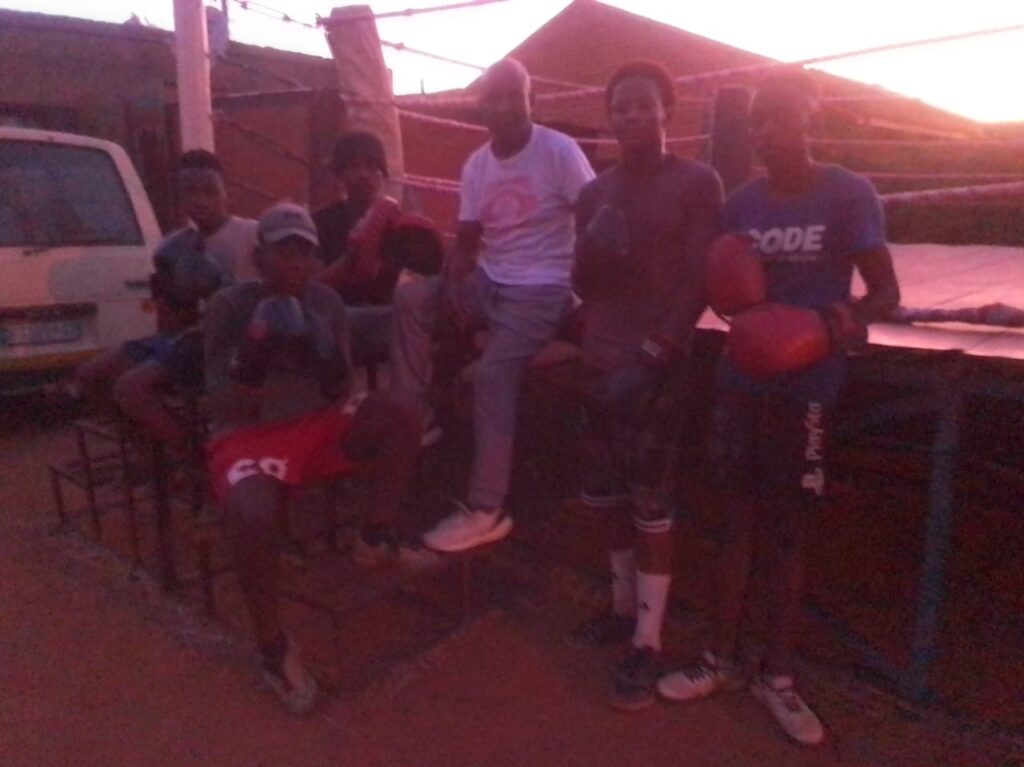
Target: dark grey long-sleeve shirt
670 216
289 390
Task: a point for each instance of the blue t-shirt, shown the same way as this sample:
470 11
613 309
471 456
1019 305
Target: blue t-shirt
807 245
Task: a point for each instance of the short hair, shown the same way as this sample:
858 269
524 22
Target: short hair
510 65
792 81
356 145
200 159
647 70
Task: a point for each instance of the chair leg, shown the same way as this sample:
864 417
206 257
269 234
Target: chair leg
58 498
90 482
129 501
164 523
203 555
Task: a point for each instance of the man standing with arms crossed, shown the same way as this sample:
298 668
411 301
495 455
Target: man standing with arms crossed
510 273
810 225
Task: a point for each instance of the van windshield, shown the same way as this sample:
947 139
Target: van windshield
53 195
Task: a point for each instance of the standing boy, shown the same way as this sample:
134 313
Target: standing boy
811 225
643 229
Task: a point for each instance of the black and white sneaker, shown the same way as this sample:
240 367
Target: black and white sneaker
699 680
634 680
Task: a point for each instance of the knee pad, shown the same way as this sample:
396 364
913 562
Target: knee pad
653 513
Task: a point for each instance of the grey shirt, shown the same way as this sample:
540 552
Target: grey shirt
288 391
670 217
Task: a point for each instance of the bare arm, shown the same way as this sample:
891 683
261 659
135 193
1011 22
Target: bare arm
468 238
883 290
338 273
460 265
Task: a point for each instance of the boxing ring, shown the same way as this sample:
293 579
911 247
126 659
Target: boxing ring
935 361
937 369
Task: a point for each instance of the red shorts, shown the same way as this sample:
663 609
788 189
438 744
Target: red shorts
295 452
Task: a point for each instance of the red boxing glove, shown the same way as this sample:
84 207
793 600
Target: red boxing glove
774 338
364 241
845 332
734 275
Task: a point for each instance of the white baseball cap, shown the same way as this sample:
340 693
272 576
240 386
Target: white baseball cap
286 219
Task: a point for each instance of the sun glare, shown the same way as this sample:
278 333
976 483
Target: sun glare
963 77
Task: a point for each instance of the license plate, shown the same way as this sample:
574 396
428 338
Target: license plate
40 333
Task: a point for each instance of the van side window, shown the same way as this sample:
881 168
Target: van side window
53 196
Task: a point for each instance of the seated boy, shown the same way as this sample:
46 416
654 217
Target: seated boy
278 376
366 242
190 264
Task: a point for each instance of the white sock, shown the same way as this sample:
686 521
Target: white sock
652 595
623 563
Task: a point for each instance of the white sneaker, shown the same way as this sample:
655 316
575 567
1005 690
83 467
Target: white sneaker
466 529
292 682
702 679
788 708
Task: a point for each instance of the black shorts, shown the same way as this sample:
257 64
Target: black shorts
766 446
618 449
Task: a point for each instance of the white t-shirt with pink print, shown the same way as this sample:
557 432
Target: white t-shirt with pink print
525 205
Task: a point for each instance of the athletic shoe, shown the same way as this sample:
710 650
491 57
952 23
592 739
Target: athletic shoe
700 680
634 680
467 529
603 630
416 557
290 679
788 708
372 554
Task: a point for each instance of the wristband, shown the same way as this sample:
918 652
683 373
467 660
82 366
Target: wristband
658 349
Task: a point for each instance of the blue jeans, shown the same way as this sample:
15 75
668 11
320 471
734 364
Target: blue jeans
521 320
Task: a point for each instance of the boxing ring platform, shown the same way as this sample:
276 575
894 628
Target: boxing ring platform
935 368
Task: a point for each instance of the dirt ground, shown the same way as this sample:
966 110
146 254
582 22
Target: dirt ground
98 667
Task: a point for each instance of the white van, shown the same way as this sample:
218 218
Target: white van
77 235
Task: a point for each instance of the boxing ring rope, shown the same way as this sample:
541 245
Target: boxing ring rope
272 13
930 143
754 69
435 8
978 193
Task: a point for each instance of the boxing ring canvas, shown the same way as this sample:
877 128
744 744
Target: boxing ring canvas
936 367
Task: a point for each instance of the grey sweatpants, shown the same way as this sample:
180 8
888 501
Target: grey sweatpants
521 320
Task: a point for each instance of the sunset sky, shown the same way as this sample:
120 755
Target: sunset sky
966 77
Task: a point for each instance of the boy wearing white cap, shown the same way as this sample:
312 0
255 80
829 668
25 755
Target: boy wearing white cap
278 375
